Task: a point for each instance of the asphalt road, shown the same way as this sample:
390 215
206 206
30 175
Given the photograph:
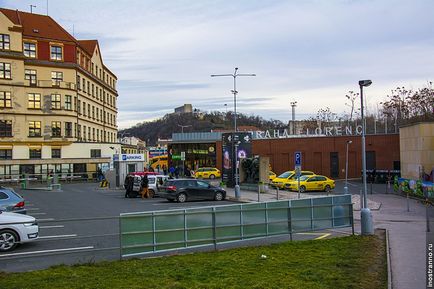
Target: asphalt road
80 224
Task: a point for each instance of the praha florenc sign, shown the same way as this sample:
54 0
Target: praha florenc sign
326 131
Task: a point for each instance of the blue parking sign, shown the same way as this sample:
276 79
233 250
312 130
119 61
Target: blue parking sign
297 159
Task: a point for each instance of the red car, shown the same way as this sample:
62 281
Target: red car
143 173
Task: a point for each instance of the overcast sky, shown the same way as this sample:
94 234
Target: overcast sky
312 52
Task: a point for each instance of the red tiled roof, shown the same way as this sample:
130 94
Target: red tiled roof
36 25
88 45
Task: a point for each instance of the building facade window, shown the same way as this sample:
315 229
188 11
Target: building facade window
68 102
35 153
78 106
5 128
78 82
5 42
95 153
30 75
29 49
55 101
78 133
88 87
34 128
84 108
84 132
5 70
93 134
56 153
5 154
68 129
56 130
34 101
56 52
56 78
88 110
93 112
84 85
5 99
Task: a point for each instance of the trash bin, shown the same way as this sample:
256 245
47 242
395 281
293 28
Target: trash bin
23 184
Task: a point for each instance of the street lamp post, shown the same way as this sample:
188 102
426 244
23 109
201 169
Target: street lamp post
346 168
235 92
365 214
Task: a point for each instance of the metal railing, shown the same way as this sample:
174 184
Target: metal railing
160 231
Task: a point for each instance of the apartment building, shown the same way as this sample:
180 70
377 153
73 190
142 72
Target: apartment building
58 101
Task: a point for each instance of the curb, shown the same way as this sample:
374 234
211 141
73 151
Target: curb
389 263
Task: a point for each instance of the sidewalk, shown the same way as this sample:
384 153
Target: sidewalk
407 230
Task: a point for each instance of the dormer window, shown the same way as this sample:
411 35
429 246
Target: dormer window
30 49
56 53
5 42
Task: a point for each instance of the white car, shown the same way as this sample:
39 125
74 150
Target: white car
155 181
16 229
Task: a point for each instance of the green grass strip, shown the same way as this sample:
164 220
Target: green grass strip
347 262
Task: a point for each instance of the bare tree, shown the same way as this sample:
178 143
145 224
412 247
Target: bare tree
351 97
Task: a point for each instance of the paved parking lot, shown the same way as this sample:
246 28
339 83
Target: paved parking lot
80 224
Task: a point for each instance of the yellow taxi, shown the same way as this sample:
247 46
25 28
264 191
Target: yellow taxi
282 180
207 173
271 175
312 183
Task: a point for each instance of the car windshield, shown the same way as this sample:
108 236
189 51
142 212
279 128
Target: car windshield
285 175
303 178
151 180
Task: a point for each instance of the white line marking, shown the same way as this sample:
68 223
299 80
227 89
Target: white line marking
46 251
50 227
38 214
43 220
33 209
58 236
352 184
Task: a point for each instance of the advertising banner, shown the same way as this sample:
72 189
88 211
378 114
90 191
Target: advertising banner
241 143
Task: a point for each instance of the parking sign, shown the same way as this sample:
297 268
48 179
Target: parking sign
297 159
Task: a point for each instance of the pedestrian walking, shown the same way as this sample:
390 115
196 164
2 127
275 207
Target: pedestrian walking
145 184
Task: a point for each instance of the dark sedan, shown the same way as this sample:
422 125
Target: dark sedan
182 190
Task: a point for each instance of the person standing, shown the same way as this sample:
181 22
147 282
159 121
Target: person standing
145 184
171 171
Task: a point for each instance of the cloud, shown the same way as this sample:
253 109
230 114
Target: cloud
163 52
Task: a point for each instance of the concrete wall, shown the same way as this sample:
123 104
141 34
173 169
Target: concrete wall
416 149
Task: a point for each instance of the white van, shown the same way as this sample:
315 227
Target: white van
154 182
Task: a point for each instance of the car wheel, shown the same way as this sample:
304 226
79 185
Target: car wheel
211 176
8 240
327 188
181 198
218 196
302 189
151 193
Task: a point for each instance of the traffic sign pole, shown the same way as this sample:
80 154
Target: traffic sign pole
297 162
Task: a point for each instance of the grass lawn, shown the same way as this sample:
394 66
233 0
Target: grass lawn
347 262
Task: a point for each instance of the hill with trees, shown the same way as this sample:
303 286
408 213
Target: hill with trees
197 121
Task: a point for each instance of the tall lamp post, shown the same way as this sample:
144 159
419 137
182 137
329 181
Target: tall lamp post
365 213
235 92
346 167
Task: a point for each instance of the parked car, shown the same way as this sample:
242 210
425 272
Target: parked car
155 182
312 183
182 190
282 180
16 229
10 201
207 173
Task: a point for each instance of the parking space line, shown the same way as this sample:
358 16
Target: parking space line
51 227
44 220
58 236
33 209
38 214
46 251
323 236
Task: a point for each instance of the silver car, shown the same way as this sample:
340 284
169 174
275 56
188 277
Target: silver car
10 201
155 181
